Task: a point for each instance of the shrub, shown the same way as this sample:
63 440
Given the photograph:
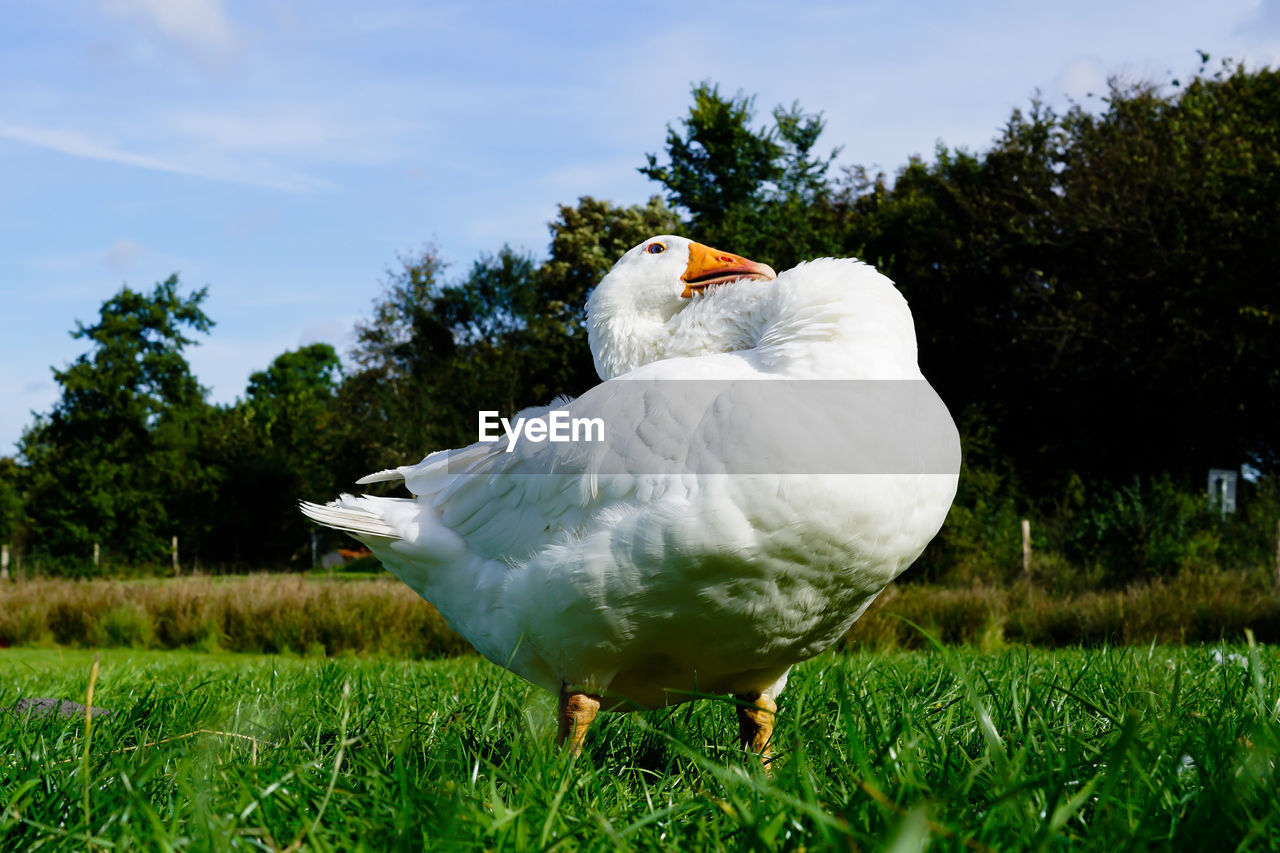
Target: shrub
127 624
288 614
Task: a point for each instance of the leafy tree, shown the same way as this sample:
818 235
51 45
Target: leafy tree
112 463
401 354
719 167
534 347
494 316
1094 296
1167 301
1100 285
11 510
276 446
511 334
496 300
758 192
294 391
586 241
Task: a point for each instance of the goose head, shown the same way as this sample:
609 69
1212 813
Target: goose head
636 309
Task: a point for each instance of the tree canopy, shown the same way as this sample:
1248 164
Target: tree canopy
1094 298
1097 289
112 462
761 190
1100 284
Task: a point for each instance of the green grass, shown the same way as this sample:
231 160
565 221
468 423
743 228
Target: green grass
1104 748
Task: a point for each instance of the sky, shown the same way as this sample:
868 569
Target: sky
285 153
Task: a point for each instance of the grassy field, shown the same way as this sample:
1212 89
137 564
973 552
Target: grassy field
1105 748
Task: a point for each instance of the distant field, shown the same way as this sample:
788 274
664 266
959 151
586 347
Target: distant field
317 616
1018 749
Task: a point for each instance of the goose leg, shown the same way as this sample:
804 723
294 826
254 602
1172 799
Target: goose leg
756 713
577 710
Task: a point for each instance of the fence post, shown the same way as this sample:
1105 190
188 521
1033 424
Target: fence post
4 562
1026 548
174 551
95 555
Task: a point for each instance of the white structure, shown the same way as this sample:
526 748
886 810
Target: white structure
1222 489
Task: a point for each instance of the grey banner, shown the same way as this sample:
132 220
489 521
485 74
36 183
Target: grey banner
723 427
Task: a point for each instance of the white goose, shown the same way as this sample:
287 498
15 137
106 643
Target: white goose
724 530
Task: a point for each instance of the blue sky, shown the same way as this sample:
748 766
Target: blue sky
285 152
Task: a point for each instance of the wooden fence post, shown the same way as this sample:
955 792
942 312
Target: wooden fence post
95 555
4 562
1026 548
175 553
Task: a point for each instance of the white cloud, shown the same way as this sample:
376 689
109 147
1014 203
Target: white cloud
1260 30
122 254
198 25
255 133
224 364
76 143
577 179
520 224
1264 20
338 333
294 130
1083 77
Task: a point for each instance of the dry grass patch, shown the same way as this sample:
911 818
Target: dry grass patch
1191 608
292 614
258 613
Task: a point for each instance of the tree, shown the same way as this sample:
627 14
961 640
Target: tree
757 192
1100 285
586 241
11 510
1171 238
402 355
112 463
720 167
511 334
495 317
277 445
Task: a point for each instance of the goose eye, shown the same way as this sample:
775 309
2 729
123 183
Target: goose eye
655 248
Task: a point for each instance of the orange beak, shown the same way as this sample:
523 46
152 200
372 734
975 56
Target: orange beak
708 266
